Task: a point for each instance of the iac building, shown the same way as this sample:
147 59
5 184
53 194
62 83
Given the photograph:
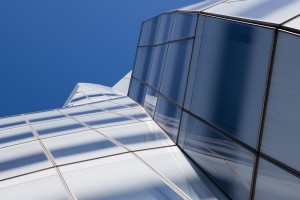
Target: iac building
211 110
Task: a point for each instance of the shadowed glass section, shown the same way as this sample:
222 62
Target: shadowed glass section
137 136
157 66
281 134
225 161
176 70
184 26
44 116
80 146
149 32
81 110
275 183
11 121
182 172
165 28
167 115
143 63
229 85
105 119
56 128
137 91
21 159
138 181
150 101
15 136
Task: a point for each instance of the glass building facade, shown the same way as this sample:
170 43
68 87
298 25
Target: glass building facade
223 83
211 110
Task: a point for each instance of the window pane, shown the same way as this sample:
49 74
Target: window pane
158 64
182 172
137 136
125 174
168 116
9 122
44 116
137 91
149 31
143 63
282 126
14 136
176 69
150 101
225 161
231 74
165 28
184 26
275 183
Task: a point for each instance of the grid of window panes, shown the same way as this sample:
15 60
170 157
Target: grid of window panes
204 80
111 145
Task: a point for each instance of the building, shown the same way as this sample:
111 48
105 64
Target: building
212 112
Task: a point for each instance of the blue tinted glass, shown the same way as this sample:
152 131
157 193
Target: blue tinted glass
137 91
149 31
275 183
143 63
158 63
231 74
184 26
150 101
168 116
176 70
281 134
165 28
225 161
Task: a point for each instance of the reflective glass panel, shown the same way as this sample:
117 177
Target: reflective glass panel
81 110
173 164
105 119
231 74
44 116
12 121
224 160
44 185
143 63
166 24
150 101
281 134
137 91
135 113
167 115
158 65
184 26
176 70
138 136
14 136
80 146
275 183
118 177
149 31
56 128
22 159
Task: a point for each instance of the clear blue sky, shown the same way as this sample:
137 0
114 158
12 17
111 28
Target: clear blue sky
47 46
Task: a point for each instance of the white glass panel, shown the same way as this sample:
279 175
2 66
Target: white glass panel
295 23
201 5
105 119
44 185
171 163
15 136
117 177
11 121
108 106
136 113
80 146
273 11
44 116
21 159
138 135
57 128
81 110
